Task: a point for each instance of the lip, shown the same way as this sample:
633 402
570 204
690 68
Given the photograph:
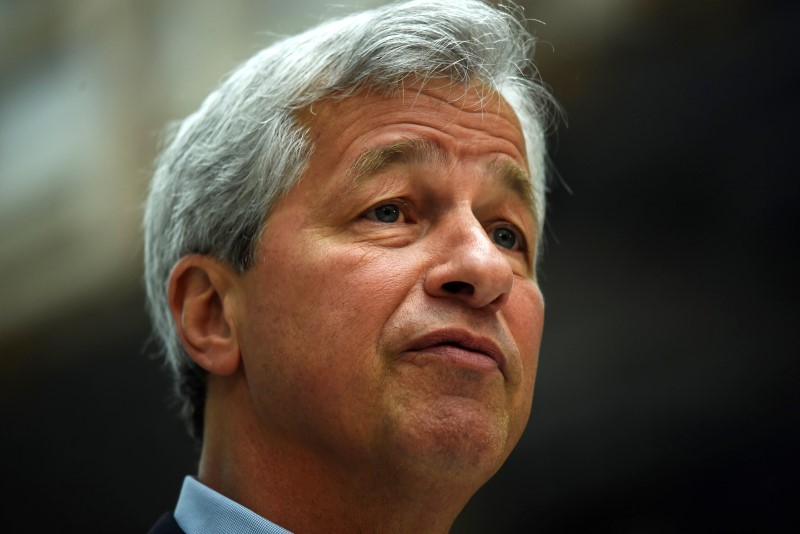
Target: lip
460 346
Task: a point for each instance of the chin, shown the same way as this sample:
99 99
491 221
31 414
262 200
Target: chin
455 437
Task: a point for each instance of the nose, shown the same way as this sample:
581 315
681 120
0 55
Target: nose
469 267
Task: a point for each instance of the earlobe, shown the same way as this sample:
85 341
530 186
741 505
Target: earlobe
201 299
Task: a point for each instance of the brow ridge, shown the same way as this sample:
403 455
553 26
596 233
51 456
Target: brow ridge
410 151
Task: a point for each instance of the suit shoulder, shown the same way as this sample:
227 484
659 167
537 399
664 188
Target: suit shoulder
166 525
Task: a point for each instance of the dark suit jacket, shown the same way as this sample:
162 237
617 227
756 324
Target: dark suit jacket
166 525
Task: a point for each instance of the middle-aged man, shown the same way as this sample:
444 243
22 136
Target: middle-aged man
340 261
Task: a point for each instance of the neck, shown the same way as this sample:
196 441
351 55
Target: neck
303 490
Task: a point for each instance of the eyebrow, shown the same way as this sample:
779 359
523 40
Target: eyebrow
412 151
422 151
517 181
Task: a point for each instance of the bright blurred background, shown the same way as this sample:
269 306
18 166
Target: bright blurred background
667 392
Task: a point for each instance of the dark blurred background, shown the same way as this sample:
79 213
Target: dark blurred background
666 397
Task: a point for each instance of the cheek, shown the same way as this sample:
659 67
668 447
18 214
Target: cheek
356 290
328 302
314 323
525 319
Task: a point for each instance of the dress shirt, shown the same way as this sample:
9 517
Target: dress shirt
201 510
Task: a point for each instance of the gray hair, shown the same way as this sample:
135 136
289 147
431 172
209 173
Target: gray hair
227 164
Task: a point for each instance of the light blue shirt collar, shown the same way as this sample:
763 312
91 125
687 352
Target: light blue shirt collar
201 510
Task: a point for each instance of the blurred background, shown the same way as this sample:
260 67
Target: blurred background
667 391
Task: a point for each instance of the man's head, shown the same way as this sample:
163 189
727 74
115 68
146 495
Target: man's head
341 243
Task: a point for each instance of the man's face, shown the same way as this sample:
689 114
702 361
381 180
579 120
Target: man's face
392 315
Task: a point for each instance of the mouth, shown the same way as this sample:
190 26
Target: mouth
461 348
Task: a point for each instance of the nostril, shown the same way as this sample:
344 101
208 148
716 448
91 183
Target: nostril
459 288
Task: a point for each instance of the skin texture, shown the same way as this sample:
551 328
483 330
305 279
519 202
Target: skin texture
376 365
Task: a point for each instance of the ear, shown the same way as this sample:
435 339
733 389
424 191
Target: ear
201 297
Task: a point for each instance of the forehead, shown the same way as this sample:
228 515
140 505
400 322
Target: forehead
466 121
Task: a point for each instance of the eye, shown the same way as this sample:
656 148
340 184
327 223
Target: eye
506 237
385 213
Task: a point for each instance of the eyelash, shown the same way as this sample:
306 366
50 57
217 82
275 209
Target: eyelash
519 244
